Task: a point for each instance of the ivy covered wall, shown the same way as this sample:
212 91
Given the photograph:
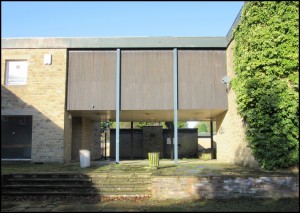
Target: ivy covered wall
266 64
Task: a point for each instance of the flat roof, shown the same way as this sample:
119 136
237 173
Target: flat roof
114 42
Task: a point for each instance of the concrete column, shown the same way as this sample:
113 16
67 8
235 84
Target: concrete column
175 107
118 105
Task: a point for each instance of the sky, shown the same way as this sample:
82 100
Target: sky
117 18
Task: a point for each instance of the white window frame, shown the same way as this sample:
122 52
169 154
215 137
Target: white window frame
14 66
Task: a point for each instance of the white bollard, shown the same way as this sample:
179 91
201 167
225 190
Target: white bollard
84 158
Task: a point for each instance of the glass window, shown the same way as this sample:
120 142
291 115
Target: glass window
204 128
16 72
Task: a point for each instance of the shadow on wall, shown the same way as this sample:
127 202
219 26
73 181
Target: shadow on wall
47 146
232 144
47 138
249 185
243 156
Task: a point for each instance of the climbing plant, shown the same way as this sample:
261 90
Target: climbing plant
266 63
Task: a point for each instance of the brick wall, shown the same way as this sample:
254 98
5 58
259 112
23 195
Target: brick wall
224 187
43 97
232 146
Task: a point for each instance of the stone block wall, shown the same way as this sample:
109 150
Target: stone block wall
95 146
43 97
232 146
224 187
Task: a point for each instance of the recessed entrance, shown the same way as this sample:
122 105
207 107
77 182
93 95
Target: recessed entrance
16 137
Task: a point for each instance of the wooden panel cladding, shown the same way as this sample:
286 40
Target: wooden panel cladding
147 80
199 79
92 80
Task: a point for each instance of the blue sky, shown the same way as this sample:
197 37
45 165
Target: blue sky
119 18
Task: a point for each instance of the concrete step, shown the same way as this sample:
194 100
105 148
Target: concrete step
74 187
68 193
122 181
119 175
47 175
78 181
79 175
15 179
81 178
70 184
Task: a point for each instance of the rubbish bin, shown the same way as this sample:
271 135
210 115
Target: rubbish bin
153 158
84 158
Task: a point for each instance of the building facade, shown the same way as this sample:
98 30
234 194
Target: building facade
55 90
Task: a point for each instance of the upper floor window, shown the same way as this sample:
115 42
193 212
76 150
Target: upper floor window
16 72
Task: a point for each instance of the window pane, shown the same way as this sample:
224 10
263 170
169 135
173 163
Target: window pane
204 128
16 72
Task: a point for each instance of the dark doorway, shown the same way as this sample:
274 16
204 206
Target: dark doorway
16 137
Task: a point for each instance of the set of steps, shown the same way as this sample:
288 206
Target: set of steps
74 184
122 183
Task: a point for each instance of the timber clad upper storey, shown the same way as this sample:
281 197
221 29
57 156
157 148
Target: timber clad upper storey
147 80
199 76
146 75
92 80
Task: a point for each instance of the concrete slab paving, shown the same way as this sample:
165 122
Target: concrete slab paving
190 167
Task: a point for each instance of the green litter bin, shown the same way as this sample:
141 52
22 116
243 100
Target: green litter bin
153 160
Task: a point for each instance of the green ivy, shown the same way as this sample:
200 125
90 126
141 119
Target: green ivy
266 63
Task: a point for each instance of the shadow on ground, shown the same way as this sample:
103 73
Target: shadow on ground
150 205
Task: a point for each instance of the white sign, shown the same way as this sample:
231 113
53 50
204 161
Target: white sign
47 59
168 140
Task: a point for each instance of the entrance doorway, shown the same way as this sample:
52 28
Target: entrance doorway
16 137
